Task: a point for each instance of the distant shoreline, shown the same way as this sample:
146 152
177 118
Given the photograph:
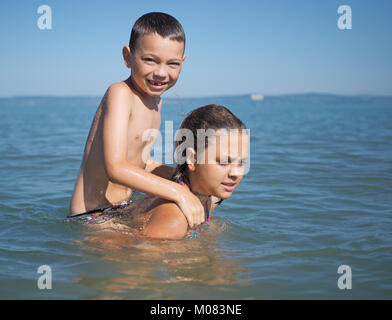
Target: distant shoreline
300 97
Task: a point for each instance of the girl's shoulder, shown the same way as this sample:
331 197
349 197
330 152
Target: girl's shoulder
166 221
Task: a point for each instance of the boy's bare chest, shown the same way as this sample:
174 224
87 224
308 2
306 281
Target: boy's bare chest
143 128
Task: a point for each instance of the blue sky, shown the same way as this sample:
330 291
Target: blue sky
233 47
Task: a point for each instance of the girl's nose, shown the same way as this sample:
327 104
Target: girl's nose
235 170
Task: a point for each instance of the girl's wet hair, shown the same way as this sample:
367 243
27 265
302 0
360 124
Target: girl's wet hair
156 22
207 117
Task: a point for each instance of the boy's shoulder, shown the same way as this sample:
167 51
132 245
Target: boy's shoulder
119 96
120 89
123 93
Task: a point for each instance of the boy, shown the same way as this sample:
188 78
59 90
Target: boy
113 164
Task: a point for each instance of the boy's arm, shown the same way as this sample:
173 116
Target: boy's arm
159 169
119 170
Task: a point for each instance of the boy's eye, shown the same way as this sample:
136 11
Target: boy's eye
174 64
148 59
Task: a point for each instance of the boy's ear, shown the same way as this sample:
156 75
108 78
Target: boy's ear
183 58
126 51
191 158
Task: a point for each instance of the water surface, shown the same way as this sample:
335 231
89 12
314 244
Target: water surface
317 196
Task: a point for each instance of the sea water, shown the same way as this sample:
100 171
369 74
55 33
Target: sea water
318 196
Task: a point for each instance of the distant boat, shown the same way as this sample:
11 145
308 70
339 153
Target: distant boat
257 97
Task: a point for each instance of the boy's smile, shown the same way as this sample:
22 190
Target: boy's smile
155 63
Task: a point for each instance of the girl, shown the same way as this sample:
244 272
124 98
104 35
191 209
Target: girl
212 170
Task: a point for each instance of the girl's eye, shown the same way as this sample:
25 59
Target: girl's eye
222 163
235 163
243 162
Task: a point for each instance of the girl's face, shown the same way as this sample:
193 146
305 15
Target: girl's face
223 167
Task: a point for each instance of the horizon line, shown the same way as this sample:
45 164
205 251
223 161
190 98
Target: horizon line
209 96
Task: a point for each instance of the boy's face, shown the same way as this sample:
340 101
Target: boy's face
156 63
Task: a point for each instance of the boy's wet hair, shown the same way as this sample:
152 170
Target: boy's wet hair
211 116
156 22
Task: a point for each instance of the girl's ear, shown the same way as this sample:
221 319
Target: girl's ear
126 51
191 158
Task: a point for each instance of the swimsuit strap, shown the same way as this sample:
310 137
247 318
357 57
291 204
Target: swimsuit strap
208 208
122 205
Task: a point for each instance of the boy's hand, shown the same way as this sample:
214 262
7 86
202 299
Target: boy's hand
192 208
